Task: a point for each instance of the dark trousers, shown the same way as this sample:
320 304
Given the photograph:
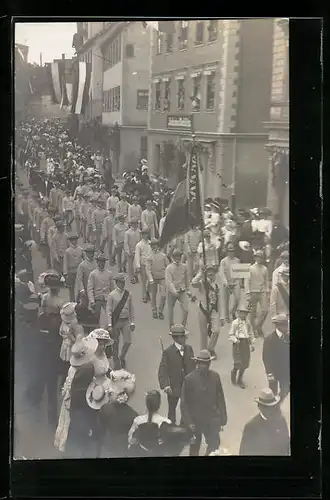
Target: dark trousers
211 434
280 387
71 283
172 404
45 251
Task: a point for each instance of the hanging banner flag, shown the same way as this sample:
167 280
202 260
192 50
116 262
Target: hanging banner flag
64 98
56 78
69 92
81 86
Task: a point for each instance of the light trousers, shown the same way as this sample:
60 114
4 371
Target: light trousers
182 298
206 341
158 285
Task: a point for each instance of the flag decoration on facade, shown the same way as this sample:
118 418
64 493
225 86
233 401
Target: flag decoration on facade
56 81
22 72
81 86
185 210
64 94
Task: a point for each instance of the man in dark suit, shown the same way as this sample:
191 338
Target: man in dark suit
175 364
203 405
276 356
267 433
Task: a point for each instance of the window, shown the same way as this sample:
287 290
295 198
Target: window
111 100
144 146
157 95
112 53
210 91
183 36
159 43
213 30
180 94
129 50
196 97
169 43
142 99
199 32
167 95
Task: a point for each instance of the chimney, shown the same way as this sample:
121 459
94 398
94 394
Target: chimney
41 59
63 56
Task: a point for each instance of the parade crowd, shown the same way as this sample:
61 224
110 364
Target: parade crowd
84 224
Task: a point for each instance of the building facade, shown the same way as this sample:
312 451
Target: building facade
203 75
118 103
278 124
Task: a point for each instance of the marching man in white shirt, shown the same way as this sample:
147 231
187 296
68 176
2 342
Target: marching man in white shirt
142 254
242 337
120 314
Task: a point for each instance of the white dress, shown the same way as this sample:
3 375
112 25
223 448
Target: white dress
62 430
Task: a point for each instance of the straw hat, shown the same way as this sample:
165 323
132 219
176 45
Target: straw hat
122 385
178 330
82 351
280 318
267 398
204 355
101 334
98 393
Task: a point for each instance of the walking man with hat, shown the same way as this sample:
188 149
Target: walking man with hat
208 314
176 279
98 216
267 433
99 285
203 405
149 219
241 335
120 314
175 364
142 255
119 231
131 238
256 292
155 268
85 268
46 223
73 256
58 245
280 294
276 356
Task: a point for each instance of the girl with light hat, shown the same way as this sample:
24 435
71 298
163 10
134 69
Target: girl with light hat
100 359
77 379
70 331
242 337
116 417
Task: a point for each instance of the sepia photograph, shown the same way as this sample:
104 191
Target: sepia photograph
151 228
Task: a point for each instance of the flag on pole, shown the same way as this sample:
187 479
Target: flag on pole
56 81
64 98
185 210
81 86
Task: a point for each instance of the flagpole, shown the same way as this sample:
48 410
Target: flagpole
202 226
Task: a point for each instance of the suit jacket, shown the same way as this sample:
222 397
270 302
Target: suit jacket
173 368
265 437
276 357
203 400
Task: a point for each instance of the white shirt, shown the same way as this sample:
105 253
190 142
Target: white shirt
179 348
280 334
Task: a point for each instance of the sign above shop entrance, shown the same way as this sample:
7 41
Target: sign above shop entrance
179 122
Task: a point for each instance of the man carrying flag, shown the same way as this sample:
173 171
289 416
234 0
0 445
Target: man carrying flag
184 213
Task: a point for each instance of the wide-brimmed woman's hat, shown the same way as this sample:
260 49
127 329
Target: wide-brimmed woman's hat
68 311
52 280
82 351
101 334
204 356
267 398
178 330
122 385
98 393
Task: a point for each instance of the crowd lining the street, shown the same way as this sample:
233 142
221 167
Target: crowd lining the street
71 197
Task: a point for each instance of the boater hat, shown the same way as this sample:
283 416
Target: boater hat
68 311
90 249
178 330
98 394
101 257
280 318
120 277
204 355
267 398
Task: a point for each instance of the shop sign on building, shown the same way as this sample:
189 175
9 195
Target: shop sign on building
179 122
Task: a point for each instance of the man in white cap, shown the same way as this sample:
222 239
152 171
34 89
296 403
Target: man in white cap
142 254
73 256
256 287
120 314
118 238
134 210
203 405
58 244
176 280
267 433
85 268
100 284
122 206
149 220
284 263
155 268
131 238
276 356
175 364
